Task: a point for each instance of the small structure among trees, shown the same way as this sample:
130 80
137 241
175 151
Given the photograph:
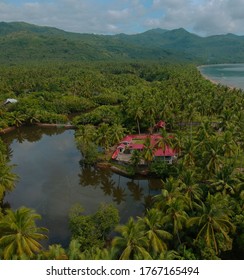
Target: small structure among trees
150 147
10 101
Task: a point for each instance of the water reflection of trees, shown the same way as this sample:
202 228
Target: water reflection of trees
148 201
108 185
30 134
88 176
136 190
115 187
119 194
92 177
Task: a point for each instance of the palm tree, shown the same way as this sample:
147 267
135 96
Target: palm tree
150 108
164 141
54 252
177 142
117 132
7 178
225 180
189 152
214 220
213 156
96 253
176 216
16 118
85 134
135 158
32 116
148 150
170 191
156 235
169 255
19 234
226 117
104 135
139 113
132 244
190 187
74 252
228 144
204 131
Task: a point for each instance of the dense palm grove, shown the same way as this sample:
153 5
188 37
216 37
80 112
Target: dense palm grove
199 212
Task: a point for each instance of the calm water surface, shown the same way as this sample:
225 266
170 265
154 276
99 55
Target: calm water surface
227 74
52 180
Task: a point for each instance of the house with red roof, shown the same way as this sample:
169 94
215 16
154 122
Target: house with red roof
135 142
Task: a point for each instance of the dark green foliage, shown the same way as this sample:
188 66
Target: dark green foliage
163 169
19 234
93 230
21 42
203 189
89 153
103 114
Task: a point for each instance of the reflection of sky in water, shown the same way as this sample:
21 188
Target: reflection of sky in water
52 180
227 74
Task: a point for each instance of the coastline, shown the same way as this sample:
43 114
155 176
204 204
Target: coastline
217 82
206 76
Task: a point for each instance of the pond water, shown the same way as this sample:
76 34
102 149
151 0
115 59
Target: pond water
52 180
227 74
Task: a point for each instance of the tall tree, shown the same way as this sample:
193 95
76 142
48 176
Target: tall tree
176 216
190 187
156 235
7 177
214 223
19 234
132 244
148 150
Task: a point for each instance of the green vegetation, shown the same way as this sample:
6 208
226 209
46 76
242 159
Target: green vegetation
21 42
19 234
199 212
93 230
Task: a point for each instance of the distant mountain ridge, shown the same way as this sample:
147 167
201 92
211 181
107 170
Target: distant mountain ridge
21 42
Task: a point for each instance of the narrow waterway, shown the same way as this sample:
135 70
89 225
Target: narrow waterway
52 180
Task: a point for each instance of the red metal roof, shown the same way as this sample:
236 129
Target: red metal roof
154 138
136 146
115 154
168 152
160 124
121 146
127 138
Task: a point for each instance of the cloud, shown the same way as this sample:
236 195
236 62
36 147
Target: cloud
205 17
119 14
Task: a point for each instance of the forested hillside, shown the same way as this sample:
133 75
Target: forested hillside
21 42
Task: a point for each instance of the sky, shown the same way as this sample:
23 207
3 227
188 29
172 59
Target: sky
202 17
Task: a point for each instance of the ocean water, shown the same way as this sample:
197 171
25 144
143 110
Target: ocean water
227 74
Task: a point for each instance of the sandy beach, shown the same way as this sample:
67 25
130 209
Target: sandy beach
217 82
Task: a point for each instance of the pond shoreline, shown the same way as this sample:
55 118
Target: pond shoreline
66 126
101 164
53 180
7 129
